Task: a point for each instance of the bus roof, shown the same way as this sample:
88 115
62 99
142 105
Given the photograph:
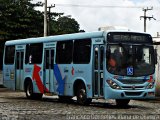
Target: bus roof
57 38
74 36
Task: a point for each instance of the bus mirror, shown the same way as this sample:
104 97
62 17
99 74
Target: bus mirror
155 55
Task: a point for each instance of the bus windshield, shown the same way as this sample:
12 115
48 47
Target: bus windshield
130 60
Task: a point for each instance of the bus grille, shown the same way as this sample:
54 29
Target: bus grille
133 87
133 93
132 81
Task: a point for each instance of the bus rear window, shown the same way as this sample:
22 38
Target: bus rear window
9 54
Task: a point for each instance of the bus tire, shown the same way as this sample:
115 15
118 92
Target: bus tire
82 96
122 102
29 90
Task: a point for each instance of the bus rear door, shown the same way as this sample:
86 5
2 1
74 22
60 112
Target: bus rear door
49 53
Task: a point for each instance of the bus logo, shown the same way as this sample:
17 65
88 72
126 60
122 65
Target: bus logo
130 71
133 87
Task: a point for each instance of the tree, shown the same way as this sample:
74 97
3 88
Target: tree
65 25
18 19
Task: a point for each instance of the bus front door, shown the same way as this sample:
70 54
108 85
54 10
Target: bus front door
98 71
48 70
19 69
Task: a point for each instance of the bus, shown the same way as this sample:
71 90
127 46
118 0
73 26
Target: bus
85 65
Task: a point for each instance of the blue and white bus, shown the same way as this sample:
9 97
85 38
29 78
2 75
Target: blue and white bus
85 65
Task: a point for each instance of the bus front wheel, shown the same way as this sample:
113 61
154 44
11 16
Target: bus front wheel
122 102
82 96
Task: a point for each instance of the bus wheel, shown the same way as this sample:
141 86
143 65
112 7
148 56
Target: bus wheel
65 98
29 90
82 96
122 102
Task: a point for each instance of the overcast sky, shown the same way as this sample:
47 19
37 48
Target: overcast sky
91 18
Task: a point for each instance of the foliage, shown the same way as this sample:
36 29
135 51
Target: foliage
65 25
19 19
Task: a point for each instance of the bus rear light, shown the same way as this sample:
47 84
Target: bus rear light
113 84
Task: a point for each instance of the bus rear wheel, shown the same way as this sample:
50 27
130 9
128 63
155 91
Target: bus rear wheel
29 92
122 102
82 96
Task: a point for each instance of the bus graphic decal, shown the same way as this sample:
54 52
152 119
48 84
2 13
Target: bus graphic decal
38 80
59 79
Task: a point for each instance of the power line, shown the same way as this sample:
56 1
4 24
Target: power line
100 6
96 6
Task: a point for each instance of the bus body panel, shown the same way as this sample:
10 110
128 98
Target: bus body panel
9 76
57 38
68 75
84 73
129 90
131 94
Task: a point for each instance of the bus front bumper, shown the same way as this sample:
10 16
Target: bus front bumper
129 94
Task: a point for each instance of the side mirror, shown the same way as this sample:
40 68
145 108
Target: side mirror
155 56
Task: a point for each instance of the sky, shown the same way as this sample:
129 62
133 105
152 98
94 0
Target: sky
92 14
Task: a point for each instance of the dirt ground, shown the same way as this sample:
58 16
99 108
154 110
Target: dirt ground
15 105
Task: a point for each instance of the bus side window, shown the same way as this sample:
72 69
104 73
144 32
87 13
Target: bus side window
34 53
9 54
82 51
64 52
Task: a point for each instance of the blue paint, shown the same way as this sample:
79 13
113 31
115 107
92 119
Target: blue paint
129 70
59 79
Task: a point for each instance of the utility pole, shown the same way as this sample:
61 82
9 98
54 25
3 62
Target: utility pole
45 18
49 17
146 17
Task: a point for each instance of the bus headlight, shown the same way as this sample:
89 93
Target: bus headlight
150 85
113 84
